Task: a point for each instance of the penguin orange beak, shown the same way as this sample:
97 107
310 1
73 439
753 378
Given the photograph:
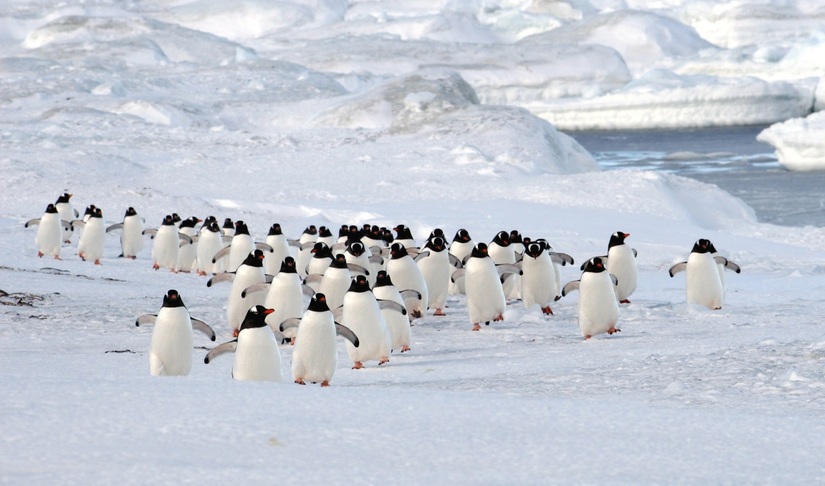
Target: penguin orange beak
268 311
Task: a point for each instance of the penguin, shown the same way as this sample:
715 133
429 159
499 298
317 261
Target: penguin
404 236
228 228
434 264
210 241
131 236
336 282
559 260
363 316
406 275
461 247
170 350
621 262
503 253
285 294
538 280
372 237
518 243
723 264
315 356
321 259
93 238
176 219
257 357
598 307
398 323
238 249
49 236
703 283
67 213
326 237
167 243
358 259
482 281
280 249
188 253
250 272
306 243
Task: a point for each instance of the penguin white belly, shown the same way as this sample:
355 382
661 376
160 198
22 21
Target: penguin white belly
92 240
363 316
131 238
237 306
459 250
334 285
406 275
704 287
598 308
286 298
436 269
170 350
49 236
188 252
398 324
363 260
485 296
315 356
241 246
257 357
66 213
165 247
209 243
622 264
280 250
538 282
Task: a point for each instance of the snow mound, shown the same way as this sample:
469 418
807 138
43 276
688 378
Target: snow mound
799 142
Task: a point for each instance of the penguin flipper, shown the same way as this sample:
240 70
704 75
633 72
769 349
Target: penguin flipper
32 222
357 269
413 251
458 274
78 223
571 286
614 279
66 225
221 277
727 264
337 313
308 245
635 253
410 294
289 323
184 239
505 268
146 319
203 327
227 347
376 258
561 258
604 261
679 267
313 278
114 227
422 255
338 248
454 261
347 334
151 232
307 290
264 246
293 243
221 253
393 305
76 213
258 287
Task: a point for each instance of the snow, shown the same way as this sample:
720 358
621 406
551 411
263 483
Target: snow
430 114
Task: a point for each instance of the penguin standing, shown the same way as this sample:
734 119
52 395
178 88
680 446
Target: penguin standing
461 247
321 259
538 280
404 236
598 308
723 264
406 275
280 249
49 236
93 239
336 282
621 262
170 350
250 272
482 283
131 235
434 264
503 253
257 357
67 213
188 253
167 243
703 283
315 356
306 244
398 323
285 294
363 316
357 254
239 248
210 242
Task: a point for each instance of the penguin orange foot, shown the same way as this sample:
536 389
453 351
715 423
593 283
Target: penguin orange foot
476 327
325 383
613 330
404 349
383 360
547 311
300 381
358 365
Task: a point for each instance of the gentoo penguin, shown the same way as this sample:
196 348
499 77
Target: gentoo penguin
49 236
280 249
326 237
372 237
434 264
250 272
170 351
93 238
703 283
336 282
598 308
239 248
518 243
363 316
188 253
131 233
461 247
176 219
257 357
306 244
538 279
358 259
723 264
166 245
406 275
210 241
482 284
621 262
321 259
228 228
315 356
398 323
67 213
403 235
285 294
503 253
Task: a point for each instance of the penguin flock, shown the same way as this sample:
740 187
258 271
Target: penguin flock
367 285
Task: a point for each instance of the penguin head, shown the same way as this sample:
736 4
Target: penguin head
176 218
594 265
711 247
130 212
340 261
540 241
359 284
90 209
534 249
275 229
255 259
318 303
462 236
356 248
321 250
228 224
702 246
311 230
403 232
437 232
375 232
324 232
617 239
515 237
51 208
63 198
436 244
241 228
213 227
288 265
209 220
255 317
172 299
502 238
343 231
189 222
382 279
167 220
97 213
479 251
397 250
387 236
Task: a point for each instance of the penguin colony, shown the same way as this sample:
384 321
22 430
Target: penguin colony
366 285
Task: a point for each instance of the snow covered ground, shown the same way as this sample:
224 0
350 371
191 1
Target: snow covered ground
378 112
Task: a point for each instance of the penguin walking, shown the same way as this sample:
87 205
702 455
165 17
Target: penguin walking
49 236
621 262
285 294
210 242
280 249
68 214
239 247
257 357
336 282
404 236
362 314
461 247
503 253
398 323
93 238
356 253
250 272
131 236
315 356
482 283
703 283
188 253
167 242
406 275
598 307
321 260
538 281
170 350
434 264
306 244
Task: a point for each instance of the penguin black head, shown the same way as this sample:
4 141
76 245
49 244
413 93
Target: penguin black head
213 227
90 210
436 244
318 303
356 248
515 237
359 284
275 229
712 248
382 279
321 250
209 220
397 250
594 265
534 249
167 220
96 213
288 265
172 299
403 232
437 232
324 232
311 230
375 232
241 228
462 236
51 208
502 238
387 236
617 239
480 251
702 246
343 231
228 224
176 218
340 261
255 317
255 259
63 198
189 222
540 241
130 212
